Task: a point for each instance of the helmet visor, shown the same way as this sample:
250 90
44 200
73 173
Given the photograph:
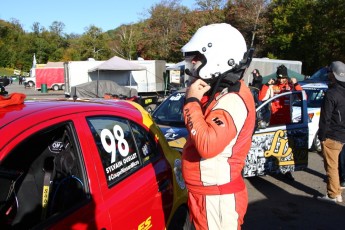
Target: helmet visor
194 62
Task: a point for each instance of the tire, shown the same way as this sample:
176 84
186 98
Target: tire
55 87
317 144
62 87
181 220
31 83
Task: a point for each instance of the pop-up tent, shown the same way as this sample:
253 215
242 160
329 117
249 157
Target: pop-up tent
117 63
291 73
89 89
116 69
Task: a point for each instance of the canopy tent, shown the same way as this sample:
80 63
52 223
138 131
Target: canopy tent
89 89
117 63
291 73
117 69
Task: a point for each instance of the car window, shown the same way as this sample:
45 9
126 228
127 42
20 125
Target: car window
315 97
47 177
148 147
170 109
123 146
283 109
320 75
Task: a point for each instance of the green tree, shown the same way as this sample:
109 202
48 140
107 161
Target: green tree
248 16
161 31
93 43
328 33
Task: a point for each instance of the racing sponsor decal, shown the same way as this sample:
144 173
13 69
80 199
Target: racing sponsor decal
177 97
147 224
171 134
115 144
274 152
56 147
189 122
218 121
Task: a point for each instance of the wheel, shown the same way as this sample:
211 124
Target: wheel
63 87
55 87
181 219
31 83
317 144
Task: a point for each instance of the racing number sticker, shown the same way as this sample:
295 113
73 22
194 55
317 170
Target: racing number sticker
111 147
114 143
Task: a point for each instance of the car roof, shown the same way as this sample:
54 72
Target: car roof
15 118
313 85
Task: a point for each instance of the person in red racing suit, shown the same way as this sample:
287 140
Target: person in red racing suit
220 126
280 108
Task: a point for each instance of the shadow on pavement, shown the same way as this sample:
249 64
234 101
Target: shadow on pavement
282 210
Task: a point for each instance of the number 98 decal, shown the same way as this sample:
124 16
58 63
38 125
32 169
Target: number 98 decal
117 135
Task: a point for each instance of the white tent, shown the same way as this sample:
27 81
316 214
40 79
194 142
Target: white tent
116 69
117 63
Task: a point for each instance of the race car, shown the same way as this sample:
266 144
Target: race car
278 148
94 164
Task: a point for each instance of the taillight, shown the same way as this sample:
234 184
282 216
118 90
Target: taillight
310 115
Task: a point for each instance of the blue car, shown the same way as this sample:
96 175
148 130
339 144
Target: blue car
276 148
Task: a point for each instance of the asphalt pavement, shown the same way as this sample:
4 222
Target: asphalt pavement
274 201
31 93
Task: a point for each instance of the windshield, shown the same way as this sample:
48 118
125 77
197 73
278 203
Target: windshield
320 75
170 111
315 97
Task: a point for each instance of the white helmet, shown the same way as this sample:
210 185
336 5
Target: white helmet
222 47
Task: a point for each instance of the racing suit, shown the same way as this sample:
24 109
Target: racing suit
280 107
214 156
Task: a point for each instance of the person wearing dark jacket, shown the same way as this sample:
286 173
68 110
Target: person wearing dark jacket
257 79
332 130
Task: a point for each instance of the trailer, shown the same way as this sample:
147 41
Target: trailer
268 66
145 76
150 80
51 77
76 73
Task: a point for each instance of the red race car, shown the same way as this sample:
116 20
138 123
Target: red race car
101 164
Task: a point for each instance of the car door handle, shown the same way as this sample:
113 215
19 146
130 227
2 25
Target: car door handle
163 185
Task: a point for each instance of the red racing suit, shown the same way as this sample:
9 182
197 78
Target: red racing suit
214 156
280 108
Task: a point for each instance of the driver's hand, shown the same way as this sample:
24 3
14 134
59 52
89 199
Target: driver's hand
197 89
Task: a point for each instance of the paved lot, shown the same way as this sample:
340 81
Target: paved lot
31 93
274 202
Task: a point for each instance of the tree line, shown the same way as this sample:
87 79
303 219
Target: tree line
311 31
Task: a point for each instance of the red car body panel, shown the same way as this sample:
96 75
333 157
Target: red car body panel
143 200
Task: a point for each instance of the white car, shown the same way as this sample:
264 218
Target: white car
315 93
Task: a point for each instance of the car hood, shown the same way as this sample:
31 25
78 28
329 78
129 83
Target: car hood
173 133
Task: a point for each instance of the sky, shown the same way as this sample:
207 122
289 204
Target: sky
78 14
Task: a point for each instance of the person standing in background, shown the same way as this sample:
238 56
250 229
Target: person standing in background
332 130
257 79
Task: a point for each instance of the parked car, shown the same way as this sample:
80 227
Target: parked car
320 75
275 149
95 164
315 93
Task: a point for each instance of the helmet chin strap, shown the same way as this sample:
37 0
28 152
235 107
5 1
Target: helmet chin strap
230 77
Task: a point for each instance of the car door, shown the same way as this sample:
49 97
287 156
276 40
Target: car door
53 190
283 147
134 177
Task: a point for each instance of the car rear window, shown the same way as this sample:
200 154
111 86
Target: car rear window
123 146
